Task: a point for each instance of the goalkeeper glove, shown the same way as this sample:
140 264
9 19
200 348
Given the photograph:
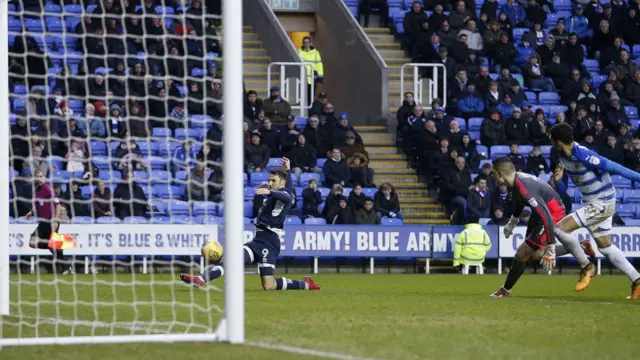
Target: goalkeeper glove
548 260
508 229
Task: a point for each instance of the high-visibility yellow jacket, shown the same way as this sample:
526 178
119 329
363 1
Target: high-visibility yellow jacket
312 56
472 245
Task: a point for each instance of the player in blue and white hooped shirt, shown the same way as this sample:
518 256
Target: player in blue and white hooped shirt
591 174
265 246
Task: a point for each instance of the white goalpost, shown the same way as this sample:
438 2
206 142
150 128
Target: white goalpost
126 286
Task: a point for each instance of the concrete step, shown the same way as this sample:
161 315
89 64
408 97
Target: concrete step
395 179
394 171
427 221
388 164
396 60
376 136
380 142
373 30
254 52
251 44
255 83
414 207
384 157
396 76
260 75
371 149
386 45
422 215
410 185
418 200
370 128
256 59
405 192
255 68
396 55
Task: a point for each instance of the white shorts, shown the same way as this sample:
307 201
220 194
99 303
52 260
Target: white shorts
596 216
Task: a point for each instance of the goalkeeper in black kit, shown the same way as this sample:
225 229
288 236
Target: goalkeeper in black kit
265 247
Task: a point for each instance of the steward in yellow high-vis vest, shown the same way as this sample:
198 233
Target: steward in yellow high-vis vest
472 245
309 54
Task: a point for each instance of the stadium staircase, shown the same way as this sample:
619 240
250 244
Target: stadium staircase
391 51
391 166
256 62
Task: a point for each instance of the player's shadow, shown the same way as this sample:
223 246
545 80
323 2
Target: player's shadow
573 300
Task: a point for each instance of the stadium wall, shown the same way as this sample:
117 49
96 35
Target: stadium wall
274 38
355 73
299 240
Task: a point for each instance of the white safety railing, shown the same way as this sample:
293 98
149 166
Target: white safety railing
436 85
299 99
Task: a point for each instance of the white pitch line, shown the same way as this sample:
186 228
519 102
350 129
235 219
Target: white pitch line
137 327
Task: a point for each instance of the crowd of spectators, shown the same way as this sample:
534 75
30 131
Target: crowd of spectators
500 61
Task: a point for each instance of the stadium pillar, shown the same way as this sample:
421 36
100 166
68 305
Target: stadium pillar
233 172
4 154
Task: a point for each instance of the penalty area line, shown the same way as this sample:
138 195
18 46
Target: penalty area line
304 351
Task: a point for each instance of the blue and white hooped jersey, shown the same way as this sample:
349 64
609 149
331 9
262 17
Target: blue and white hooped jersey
584 167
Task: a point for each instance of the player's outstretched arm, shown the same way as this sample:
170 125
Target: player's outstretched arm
592 160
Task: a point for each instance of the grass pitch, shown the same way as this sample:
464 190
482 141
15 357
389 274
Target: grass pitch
365 316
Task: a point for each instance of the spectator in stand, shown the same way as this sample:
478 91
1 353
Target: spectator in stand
72 130
184 157
367 215
115 126
412 23
276 108
318 105
351 147
328 118
252 105
315 71
483 80
459 50
615 114
560 33
603 39
270 137
359 170
534 74
517 127
515 13
459 85
632 156
498 218
490 7
469 152
289 135
460 16
426 142
454 134
216 180
505 24
579 24
455 188
336 170
589 141
518 160
256 154
447 36
506 80
332 200
356 198
129 156
311 199
426 45
386 202
316 136
102 203
470 105
586 96
632 90
303 157
536 164
479 199
610 55
136 124
600 134
547 49
196 187
341 214
75 202
441 120
474 38
492 130
36 161
631 26
437 17
47 135
502 199
538 128
448 62
613 150
406 110
341 131
573 54
518 97
129 199
76 157
492 36
571 90
624 136
19 142
494 97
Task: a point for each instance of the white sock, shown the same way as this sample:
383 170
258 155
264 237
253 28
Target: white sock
572 245
619 261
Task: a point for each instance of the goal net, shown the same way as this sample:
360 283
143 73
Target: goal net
116 108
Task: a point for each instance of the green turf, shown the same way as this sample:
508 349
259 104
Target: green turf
380 316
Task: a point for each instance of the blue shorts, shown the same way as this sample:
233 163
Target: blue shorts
264 250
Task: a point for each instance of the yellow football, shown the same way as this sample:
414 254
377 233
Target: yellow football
212 251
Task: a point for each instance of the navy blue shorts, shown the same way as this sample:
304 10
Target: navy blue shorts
264 250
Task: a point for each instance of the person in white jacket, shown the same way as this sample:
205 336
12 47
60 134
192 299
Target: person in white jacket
474 38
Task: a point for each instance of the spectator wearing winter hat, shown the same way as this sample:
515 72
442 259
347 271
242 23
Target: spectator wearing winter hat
492 130
340 131
341 214
114 126
615 114
517 127
318 104
360 172
276 108
256 155
579 24
351 147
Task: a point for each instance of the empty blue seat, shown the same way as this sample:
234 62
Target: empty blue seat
73 9
293 220
592 65
60 176
274 163
55 25
518 33
157 162
369 192
320 162
531 97
168 191
15 25
210 219
82 220
135 220
34 25
178 207
306 177
499 150
98 147
391 221
620 182
164 9
201 208
161 132
632 222
475 123
18 104
160 176
249 193
315 221
20 89
141 176
181 176
631 196
555 109
525 150
193 134
108 220
324 192
160 220
301 122
259 177
167 148
183 219
626 210
111 176
631 111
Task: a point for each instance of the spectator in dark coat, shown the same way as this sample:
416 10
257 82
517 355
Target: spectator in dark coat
356 198
460 15
573 54
303 157
75 202
412 23
253 105
102 204
270 137
367 215
336 170
492 130
505 54
256 155
538 129
341 214
311 199
129 198
359 169
518 160
289 135
478 199
536 164
276 108
612 150
386 202
616 115
632 90
502 198
455 188
632 156
517 128
333 199
316 136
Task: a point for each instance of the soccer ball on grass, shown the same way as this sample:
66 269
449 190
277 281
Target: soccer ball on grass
212 251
